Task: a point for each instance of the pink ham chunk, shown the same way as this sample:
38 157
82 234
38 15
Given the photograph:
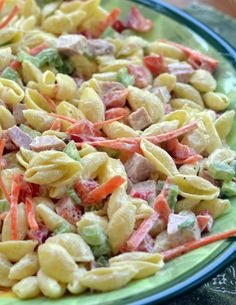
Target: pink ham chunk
99 47
139 168
19 137
145 190
162 93
72 44
182 70
18 113
139 119
47 143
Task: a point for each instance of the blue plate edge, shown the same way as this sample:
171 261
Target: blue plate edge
228 255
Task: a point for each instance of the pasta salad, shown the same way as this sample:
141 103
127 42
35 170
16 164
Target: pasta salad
113 152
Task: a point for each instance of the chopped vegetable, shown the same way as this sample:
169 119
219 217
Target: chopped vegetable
161 205
116 112
103 249
173 192
12 14
2 3
56 125
74 197
39 48
125 78
138 236
228 189
118 26
192 245
31 214
155 63
72 151
103 190
62 117
137 22
64 228
109 21
15 65
4 206
15 192
10 73
188 223
94 235
102 261
221 171
101 124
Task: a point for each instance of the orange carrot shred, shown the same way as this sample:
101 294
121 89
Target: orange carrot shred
2 2
63 117
2 186
56 125
30 214
110 19
39 48
12 14
100 124
15 191
50 102
192 245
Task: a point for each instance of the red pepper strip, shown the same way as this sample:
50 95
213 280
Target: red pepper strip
119 26
56 125
63 117
15 192
12 14
138 236
2 186
2 2
36 50
15 64
103 190
192 245
194 55
30 214
50 102
137 22
190 160
115 112
110 19
161 206
100 124
155 63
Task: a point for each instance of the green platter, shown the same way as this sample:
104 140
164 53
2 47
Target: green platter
190 269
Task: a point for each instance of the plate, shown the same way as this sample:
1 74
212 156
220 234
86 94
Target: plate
193 268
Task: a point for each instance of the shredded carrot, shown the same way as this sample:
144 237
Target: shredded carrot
138 236
30 214
110 19
191 159
36 50
115 112
100 124
56 125
63 117
15 191
15 64
12 14
192 245
50 102
2 186
2 2
103 190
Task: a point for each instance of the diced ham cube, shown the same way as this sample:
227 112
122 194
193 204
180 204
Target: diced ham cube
139 168
66 209
182 70
19 137
162 93
142 76
18 113
9 145
99 47
72 44
47 143
107 86
178 235
145 190
139 119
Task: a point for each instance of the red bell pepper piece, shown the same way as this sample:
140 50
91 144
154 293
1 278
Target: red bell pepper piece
155 63
109 21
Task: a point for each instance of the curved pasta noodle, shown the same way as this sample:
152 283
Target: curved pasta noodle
5 266
30 72
91 105
119 130
34 100
112 167
221 155
138 98
27 288
38 119
28 265
89 219
52 168
216 207
92 163
194 187
7 120
188 92
179 115
24 156
166 50
159 157
14 250
160 128
121 225
107 279
75 287
74 245
10 92
224 123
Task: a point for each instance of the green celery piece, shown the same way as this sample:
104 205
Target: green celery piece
72 151
160 185
173 192
188 223
4 206
33 133
94 235
49 56
10 73
228 189
221 171
64 228
102 261
233 165
102 250
24 56
74 197
67 66
124 77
